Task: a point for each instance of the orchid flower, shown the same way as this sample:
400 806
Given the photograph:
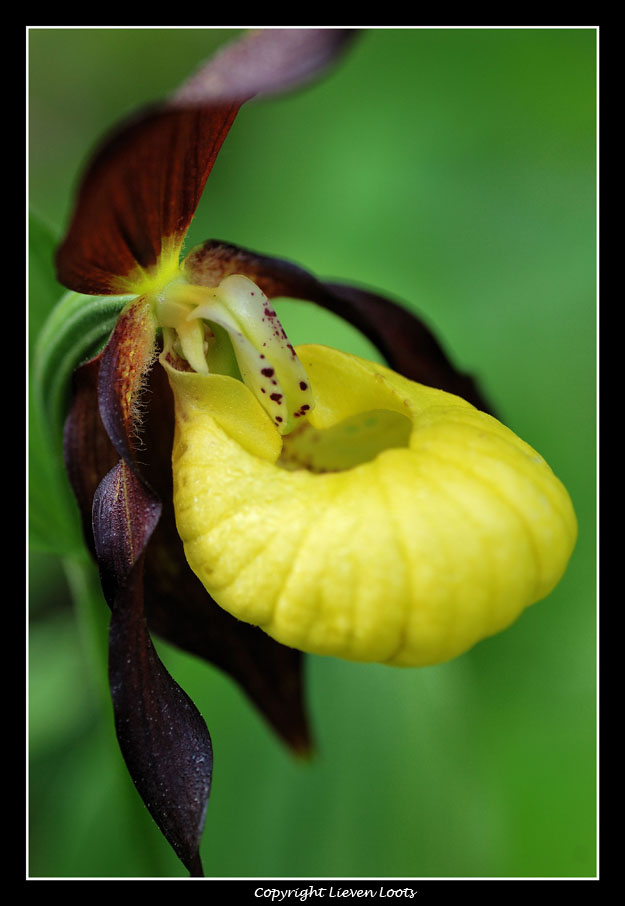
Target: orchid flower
249 500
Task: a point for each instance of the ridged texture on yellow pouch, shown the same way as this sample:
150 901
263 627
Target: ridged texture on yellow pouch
407 558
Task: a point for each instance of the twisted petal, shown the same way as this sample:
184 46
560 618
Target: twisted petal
405 341
162 735
143 184
138 196
402 525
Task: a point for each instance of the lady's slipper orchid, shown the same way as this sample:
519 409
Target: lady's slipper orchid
327 504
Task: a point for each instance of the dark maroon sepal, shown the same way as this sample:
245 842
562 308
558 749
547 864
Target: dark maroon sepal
162 736
144 182
141 188
407 344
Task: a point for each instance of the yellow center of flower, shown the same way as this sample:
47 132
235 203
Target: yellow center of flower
233 329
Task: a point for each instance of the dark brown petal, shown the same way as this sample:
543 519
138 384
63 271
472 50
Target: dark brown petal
409 347
138 196
162 736
143 184
267 61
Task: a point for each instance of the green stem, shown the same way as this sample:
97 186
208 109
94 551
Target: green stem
92 617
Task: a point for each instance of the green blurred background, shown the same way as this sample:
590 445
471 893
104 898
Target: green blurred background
453 169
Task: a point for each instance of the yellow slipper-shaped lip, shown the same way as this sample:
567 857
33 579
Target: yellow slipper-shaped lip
399 524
